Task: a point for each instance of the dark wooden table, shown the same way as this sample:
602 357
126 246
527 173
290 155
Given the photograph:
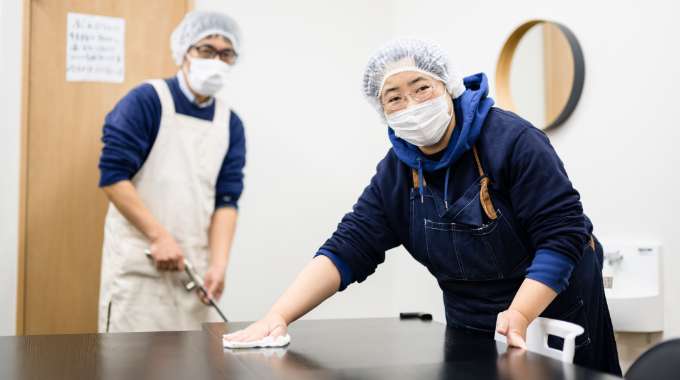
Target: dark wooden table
320 349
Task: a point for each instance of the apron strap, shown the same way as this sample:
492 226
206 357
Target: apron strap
484 196
167 103
222 113
477 161
416 182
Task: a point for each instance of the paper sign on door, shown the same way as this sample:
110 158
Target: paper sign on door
95 48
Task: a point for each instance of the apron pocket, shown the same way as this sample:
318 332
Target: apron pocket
503 246
442 258
458 252
475 253
478 251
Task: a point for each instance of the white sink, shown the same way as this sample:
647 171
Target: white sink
633 286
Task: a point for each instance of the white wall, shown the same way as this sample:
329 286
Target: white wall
313 143
527 77
10 108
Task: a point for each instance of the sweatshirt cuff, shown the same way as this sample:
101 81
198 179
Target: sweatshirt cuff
226 200
344 269
111 177
552 269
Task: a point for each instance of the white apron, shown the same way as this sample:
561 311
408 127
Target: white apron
177 184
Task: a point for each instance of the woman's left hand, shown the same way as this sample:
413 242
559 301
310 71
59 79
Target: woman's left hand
513 325
214 284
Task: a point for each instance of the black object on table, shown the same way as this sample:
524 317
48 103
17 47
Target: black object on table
416 315
320 349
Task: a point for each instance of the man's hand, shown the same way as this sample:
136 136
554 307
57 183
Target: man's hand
214 284
513 325
166 253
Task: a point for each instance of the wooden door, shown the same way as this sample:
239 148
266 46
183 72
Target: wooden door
62 213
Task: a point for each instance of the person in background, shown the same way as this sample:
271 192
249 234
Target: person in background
478 196
172 168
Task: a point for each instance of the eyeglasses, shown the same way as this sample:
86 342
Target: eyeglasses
208 52
396 100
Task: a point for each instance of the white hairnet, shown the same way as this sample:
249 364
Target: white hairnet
408 54
197 25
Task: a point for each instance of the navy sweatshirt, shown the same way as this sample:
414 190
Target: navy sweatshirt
130 130
523 167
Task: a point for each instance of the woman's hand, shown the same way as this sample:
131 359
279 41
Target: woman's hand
531 299
319 280
272 325
513 325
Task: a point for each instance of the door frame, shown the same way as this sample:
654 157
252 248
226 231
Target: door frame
23 162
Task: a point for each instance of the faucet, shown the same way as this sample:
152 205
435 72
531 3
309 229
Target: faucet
613 257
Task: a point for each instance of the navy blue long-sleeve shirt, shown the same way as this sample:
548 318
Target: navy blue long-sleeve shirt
130 131
524 168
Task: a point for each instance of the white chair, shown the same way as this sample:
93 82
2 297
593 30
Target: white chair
537 338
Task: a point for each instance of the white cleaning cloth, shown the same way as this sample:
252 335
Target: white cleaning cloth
268 341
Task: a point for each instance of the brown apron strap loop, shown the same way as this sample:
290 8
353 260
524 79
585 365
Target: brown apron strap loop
484 196
485 199
416 181
477 161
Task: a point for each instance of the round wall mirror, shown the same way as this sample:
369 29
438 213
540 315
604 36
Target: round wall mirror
540 73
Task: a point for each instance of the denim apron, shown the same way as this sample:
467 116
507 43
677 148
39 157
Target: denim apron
474 248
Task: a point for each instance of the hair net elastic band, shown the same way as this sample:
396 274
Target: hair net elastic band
404 69
222 33
456 89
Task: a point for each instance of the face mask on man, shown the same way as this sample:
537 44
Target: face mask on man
423 124
207 76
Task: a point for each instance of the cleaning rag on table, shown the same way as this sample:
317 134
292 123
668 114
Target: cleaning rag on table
268 341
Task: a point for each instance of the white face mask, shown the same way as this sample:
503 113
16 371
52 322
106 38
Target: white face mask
423 124
207 76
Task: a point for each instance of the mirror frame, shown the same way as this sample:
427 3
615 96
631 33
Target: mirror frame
504 64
